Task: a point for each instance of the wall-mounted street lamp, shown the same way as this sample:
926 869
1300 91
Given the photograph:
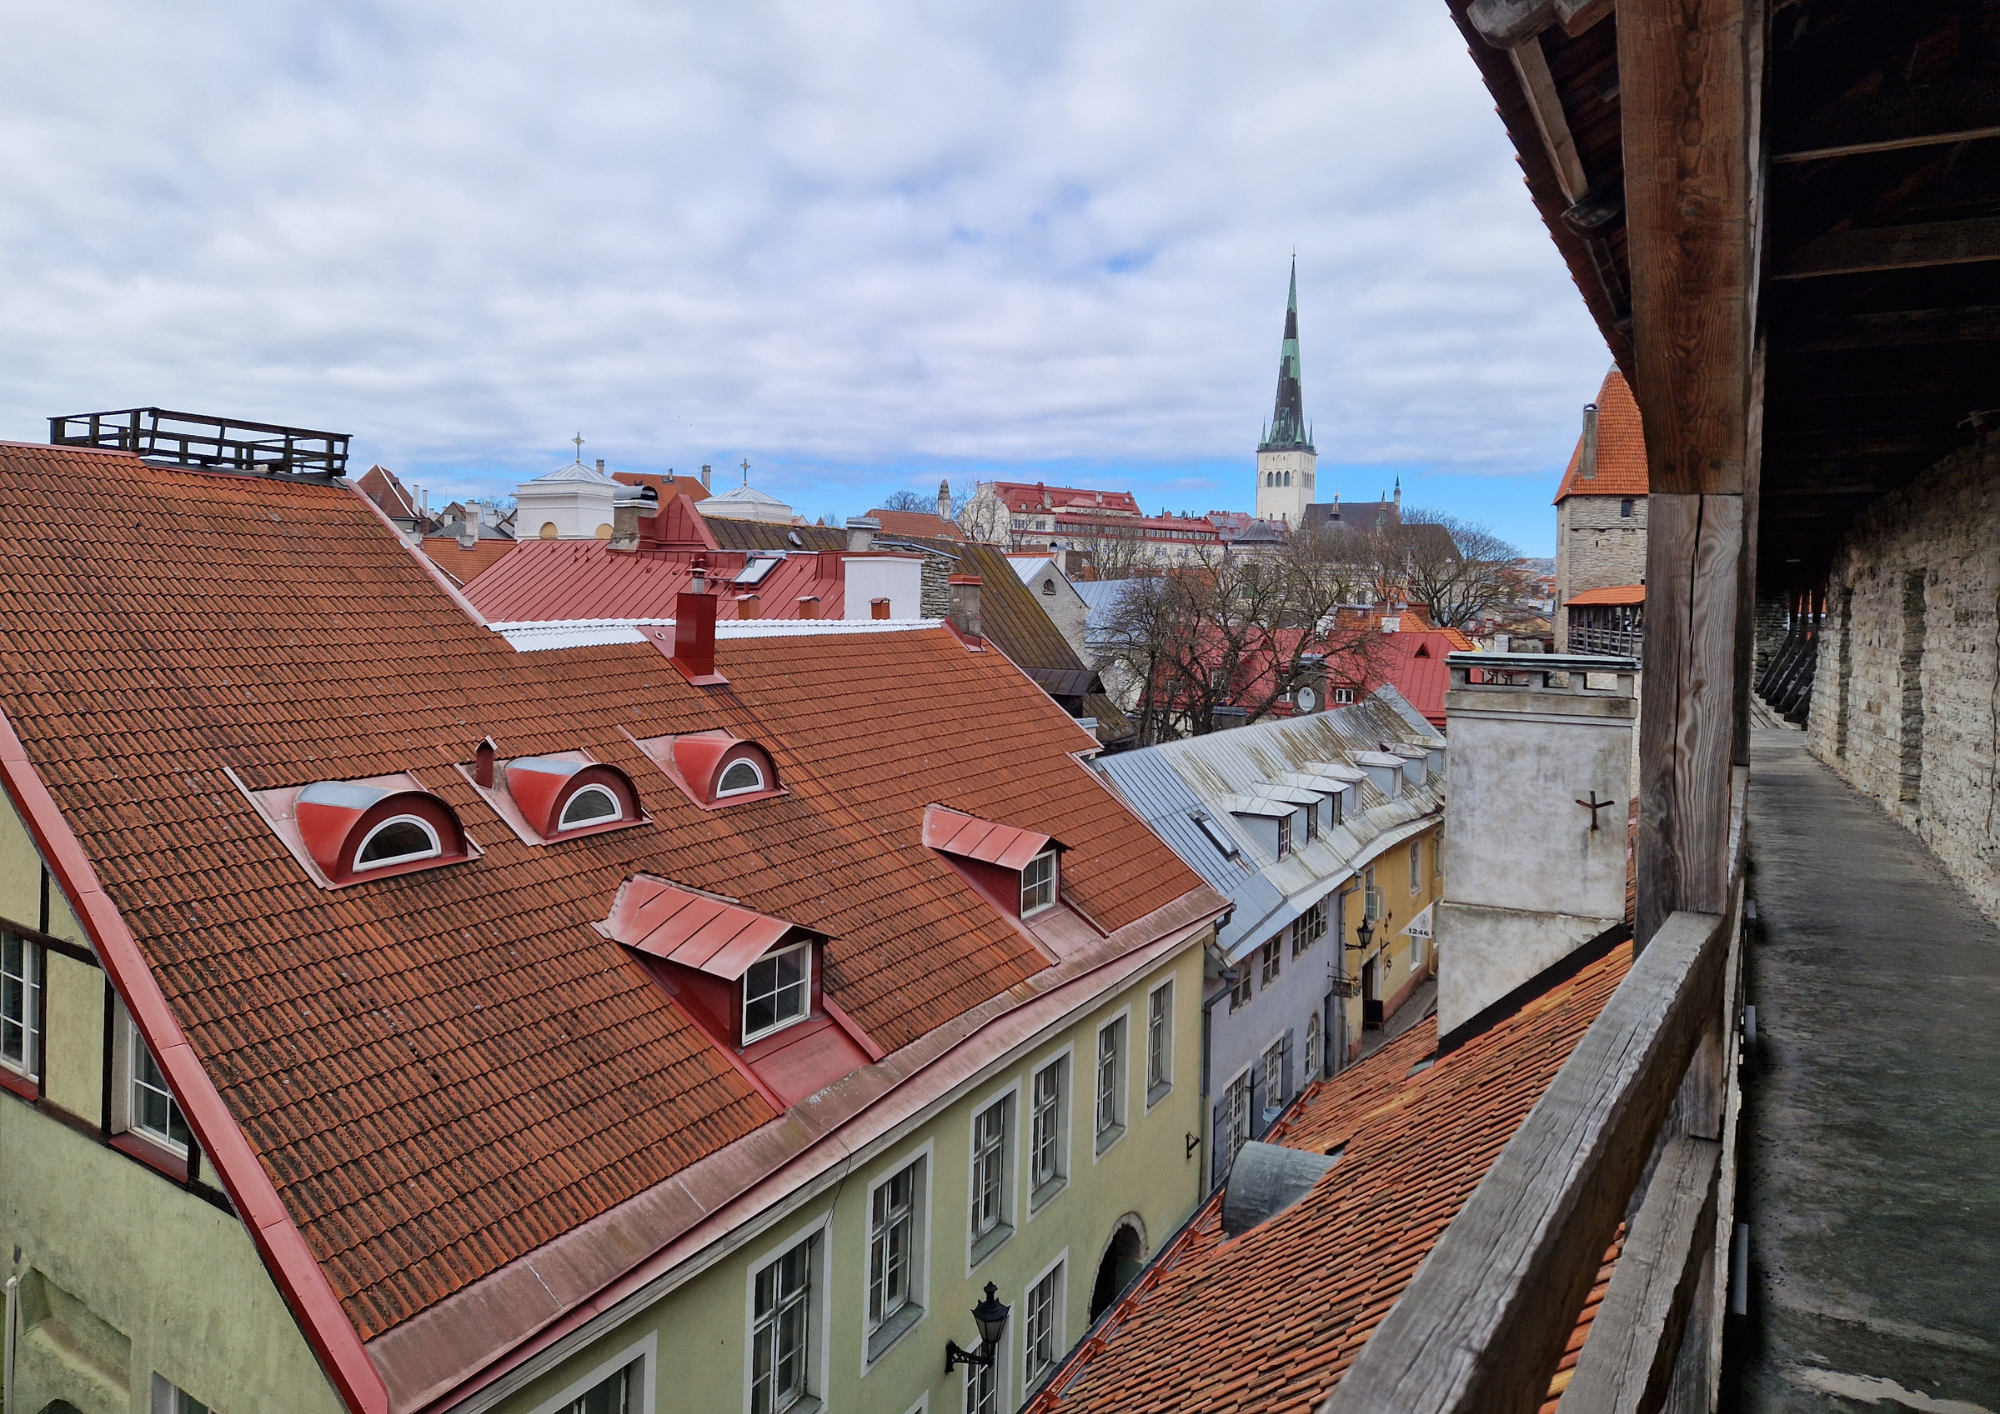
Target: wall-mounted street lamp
1364 931
990 1316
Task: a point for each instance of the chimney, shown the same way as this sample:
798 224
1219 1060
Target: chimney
809 606
861 534
1311 693
1586 457
624 523
600 466
694 638
468 531
878 608
944 500
482 762
704 477
700 569
962 604
749 606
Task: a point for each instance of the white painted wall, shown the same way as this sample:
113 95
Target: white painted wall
897 578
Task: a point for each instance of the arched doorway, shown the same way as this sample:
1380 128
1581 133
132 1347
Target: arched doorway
1124 1258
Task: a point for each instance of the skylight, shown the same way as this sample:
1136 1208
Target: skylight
1217 836
758 567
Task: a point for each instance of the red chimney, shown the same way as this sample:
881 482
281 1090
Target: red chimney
482 763
878 608
809 606
694 639
749 606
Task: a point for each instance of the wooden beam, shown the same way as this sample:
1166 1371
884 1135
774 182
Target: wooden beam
1928 116
1481 1326
1895 329
1508 24
1531 66
1626 1362
1895 248
1691 74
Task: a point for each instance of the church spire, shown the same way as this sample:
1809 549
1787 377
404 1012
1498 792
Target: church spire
1288 418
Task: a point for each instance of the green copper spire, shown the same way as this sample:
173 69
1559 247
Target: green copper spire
1288 419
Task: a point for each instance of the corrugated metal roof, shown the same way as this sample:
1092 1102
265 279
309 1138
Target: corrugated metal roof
1173 784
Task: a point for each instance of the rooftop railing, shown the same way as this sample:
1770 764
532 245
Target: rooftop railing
190 439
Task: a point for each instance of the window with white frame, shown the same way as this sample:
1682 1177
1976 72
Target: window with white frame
1342 696
1416 866
741 778
895 1256
1310 928
990 1188
1284 836
398 840
781 1331
618 1393
1313 1058
1236 1116
149 1104
1038 883
1042 1327
1159 1043
1110 1083
982 1389
169 1398
1048 1134
1272 1063
1268 960
1239 986
593 805
777 991
20 1005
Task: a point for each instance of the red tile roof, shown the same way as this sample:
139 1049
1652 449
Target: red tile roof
462 564
1621 447
1034 496
380 485
1611 594
918 523
442 1071
546 580
668 486
1270 1320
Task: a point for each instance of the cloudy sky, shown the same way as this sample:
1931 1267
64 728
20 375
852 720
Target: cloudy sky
862 245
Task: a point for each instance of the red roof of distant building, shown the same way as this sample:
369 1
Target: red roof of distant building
1414 664
668 486
545 580
402 1173
1610 594
379 484
1270 1320
1621 447
918 523
462 563
1034 496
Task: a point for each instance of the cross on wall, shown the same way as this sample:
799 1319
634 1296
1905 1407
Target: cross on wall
1593 805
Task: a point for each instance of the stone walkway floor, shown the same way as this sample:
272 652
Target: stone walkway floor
1870 1163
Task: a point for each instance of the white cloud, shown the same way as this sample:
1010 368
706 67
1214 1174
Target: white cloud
856 243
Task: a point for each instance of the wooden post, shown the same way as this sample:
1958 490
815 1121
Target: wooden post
1690 75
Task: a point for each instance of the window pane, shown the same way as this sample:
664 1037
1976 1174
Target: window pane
400 839
1157 1013
891 1246
741 776
20 984
613 1396
1110 1058
1047 1137
982 1389
590 803
1044 1326
778 1367
777 990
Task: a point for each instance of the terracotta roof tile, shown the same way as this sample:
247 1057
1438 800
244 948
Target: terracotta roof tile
1270 1320
1621 447
1611 594
462 564
443 1070
918 523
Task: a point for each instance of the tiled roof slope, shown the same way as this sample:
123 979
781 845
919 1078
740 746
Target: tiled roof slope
1610 594
465 564
443 1070
1271 1320
918 523
1621 447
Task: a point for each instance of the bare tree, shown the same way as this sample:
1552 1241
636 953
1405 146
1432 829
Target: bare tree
909 501
1239 632
1108 548
1455 570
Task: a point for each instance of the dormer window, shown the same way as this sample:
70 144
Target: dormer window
1038 884
592 805
777 991
740 778
716 769
402 839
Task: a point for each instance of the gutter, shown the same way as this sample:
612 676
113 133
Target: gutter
293 1267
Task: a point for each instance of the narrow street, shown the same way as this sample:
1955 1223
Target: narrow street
1871 1158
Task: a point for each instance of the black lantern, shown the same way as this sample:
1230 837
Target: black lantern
990 1316
1365 933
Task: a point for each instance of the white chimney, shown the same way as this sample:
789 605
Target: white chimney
896 578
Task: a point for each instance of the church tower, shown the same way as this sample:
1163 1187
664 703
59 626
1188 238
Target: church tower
1285 458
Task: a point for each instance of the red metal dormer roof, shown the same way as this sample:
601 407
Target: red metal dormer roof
969 837
693 929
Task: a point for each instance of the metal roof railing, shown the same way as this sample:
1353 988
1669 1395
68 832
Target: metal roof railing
191 439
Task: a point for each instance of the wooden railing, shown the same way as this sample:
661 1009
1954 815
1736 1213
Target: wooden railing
1644 1106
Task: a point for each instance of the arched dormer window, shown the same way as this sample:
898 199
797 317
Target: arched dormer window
739 777
561 796
401 839
359 830
715 768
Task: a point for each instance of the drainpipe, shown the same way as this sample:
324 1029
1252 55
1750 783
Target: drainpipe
7 1380
1205 1121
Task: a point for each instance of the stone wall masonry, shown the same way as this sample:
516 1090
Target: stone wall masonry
1596 548
1908 679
